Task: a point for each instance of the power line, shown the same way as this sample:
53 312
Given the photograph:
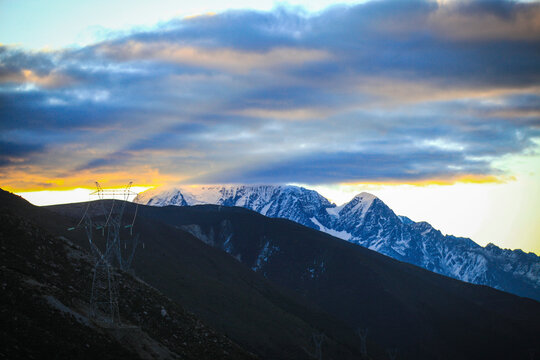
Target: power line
102 221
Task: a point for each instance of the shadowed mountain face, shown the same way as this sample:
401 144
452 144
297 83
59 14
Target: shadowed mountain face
424 314
367 221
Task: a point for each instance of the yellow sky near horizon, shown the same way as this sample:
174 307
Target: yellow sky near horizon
501 212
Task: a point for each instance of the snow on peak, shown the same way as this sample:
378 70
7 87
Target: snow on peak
257 197
365 197
160 197
361 203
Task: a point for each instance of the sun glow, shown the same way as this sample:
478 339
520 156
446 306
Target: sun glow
52 197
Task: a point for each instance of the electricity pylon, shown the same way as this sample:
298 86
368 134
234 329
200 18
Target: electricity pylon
317 340
102 221
362 333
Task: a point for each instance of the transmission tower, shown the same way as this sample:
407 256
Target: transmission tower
102 221
318 339
362 333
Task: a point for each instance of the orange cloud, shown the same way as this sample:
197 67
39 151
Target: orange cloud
286 114
461 179
221 58
399 91
36 180
453 20
25 76
524 24
198 16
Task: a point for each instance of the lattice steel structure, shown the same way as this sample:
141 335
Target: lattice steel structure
102 221
317 341
362 333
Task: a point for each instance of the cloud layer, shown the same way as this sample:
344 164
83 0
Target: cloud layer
382 91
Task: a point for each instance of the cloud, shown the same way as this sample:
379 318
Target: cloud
12 153
381 91
487 20
339 167
223 59
51 80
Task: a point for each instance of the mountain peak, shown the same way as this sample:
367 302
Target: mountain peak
367 221
365 196
362 200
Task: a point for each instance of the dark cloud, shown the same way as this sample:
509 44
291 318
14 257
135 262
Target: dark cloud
14 60
384 90
8 148
317 168
17 153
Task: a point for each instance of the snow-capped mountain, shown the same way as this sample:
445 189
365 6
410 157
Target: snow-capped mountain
368 221
289 202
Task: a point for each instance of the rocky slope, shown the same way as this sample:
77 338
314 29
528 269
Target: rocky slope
45 314
367 221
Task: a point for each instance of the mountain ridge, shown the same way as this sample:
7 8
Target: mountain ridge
367 221
424 314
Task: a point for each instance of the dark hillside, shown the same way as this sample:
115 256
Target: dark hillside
45 310
423 314
225 294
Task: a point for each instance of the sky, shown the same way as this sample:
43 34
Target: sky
434 106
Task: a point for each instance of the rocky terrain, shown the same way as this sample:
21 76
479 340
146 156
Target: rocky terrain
45 310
